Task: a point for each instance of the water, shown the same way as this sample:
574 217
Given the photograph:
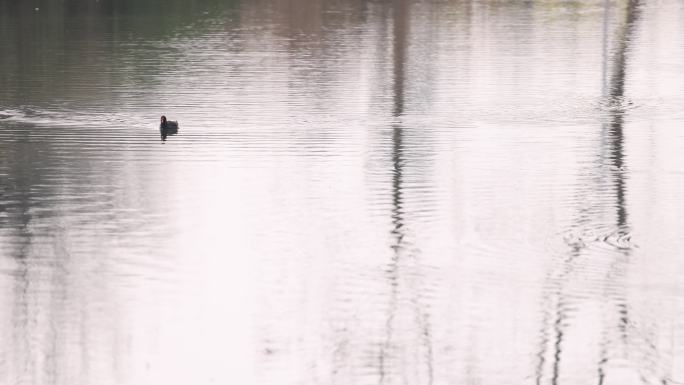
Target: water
383 192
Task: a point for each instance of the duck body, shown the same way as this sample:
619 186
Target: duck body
167 127
170 127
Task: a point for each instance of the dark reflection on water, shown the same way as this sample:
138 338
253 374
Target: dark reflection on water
404 261
616 337
394 192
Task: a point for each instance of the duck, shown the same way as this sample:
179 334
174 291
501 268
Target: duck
167 127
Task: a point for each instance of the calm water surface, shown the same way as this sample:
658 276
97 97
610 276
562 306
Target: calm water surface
361 192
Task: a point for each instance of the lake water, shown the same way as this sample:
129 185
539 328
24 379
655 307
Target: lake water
361 192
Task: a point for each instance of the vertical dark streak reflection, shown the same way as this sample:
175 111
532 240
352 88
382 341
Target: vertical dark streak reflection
558 342
617 92
613 132
605 44
400 31
541 359
400 35
603 350
613 88
400 24
559 315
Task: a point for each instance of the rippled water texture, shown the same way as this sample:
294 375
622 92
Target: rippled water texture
361 192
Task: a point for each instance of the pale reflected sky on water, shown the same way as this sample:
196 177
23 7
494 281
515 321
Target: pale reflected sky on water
383 192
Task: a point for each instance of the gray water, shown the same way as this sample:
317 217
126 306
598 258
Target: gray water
361 192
